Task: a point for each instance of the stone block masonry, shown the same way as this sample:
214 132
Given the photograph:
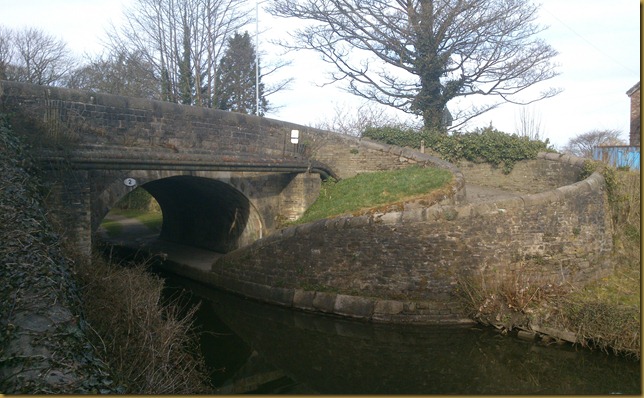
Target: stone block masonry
405 266
51 116
90 142
390 265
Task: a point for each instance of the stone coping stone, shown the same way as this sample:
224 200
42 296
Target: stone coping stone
344 305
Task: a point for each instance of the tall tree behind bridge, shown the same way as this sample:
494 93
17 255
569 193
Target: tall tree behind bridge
121 73
418 55
30 55
236 79
182 40
6 51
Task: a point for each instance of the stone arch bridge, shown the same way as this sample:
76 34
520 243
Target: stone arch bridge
225 181
222 179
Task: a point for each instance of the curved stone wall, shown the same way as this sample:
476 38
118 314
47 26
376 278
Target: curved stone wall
404 266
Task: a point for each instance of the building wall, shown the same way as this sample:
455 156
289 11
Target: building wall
635 125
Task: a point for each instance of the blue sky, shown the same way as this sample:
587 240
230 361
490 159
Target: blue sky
598 43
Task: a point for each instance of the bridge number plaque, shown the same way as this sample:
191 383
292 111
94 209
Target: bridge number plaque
129 182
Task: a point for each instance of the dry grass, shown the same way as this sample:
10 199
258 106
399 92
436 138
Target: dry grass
146 343
604 314
509 300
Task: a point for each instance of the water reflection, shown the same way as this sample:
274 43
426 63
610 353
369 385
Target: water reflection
276 350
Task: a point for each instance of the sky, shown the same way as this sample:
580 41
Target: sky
598 43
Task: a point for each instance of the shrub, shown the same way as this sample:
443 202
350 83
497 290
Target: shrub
146 343
482 145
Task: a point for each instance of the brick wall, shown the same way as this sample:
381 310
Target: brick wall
635 118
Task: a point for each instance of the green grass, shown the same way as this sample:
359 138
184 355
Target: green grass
113 228
152 220
621 288
607 312
370 190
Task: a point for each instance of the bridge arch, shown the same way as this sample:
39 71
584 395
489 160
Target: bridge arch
198 211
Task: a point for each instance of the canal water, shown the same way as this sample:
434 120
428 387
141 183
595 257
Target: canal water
252 347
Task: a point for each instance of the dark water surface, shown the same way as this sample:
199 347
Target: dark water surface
257 348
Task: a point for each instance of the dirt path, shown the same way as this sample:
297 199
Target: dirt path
131 230
134 234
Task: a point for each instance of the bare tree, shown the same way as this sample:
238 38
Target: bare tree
583 144
121 73
6 51
528 124
418 55
183 41
30 55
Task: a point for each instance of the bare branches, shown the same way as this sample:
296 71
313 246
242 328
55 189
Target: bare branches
30 55
528 124
176 34
354 121
417 55
583 144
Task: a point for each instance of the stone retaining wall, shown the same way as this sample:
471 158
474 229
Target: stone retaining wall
90 142
547 172
405 266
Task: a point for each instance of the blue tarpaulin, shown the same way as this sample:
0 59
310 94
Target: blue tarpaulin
619 156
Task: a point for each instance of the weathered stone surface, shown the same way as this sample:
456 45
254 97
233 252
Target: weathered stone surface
556 333
200 164
353 306
414 255
44 349
388 307
543 238
303 299
324 302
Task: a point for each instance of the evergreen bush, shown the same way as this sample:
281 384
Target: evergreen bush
486 145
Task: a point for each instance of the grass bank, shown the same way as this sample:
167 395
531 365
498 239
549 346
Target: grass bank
606 313
151 219
369 190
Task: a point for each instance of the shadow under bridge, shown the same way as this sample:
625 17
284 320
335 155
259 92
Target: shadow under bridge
205 213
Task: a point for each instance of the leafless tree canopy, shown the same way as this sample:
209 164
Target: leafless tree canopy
583 144
181 40
121 73
417 55
30 55
6 51
355 120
